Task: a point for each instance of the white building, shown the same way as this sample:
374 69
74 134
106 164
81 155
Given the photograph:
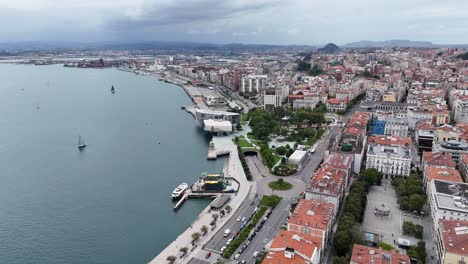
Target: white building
297 157
253 83
416 114
274 97
336 105
390 155
452 147
395 126
460 110
448 201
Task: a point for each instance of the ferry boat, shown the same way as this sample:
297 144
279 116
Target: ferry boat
179 191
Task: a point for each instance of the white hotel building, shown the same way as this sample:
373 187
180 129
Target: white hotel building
253 83
390 155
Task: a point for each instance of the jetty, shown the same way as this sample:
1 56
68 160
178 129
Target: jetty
189 194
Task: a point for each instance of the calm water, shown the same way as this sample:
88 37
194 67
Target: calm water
111 202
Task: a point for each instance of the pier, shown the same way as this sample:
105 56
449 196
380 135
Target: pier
190 194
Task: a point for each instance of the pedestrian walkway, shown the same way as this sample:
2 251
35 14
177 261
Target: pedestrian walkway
234 169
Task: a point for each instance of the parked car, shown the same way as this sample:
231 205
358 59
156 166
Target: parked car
223 248
243 219
229 241
208 255
239 218
237 256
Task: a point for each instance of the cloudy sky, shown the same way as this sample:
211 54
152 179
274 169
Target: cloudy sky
227 21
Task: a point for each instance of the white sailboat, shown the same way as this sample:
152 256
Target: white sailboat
81 144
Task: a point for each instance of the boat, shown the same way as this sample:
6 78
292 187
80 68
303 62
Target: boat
112 89
180 190
81 144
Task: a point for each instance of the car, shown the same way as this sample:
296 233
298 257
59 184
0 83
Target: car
243 219
235 234
247 243
250 238
242 226
242 262
256 209
240 251
237 256
256 254
239 218
223 248
229 241
208 255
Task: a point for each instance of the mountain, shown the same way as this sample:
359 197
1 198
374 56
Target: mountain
329 48
389 43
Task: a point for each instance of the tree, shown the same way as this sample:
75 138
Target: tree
204 229
195 236
404 203
171 259
222 212
416 202
316 70
281 150
340 260
385 246
342 242
183 250
215 216
371 177
283 160
228 208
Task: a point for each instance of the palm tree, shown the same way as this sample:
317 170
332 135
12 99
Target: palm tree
204 229
222 212
195 236
215 216
171 259
228 208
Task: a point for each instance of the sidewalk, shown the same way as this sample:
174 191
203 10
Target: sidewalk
234 169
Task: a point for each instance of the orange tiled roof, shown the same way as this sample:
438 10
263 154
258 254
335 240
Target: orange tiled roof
447 174
365 255
312 213
455 236
438 159
303 244
390 140
328 180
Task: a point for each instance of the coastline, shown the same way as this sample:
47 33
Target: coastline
232 168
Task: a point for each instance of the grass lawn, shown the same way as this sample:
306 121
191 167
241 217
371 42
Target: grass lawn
243 123
245 117
244 143
277 158
280 185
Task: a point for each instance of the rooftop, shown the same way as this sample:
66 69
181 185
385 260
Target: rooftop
312 213
328 180
450 195
447 174
438 159
365 255
288 243
455 236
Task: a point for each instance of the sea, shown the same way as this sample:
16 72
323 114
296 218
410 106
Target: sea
109 203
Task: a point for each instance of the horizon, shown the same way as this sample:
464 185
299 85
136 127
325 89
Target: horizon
259 22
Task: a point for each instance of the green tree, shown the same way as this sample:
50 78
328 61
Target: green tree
416 202
385 246
316 70
171 259
195 236
281 150
404 203
228 208
204 229
371 177
342 242
340 260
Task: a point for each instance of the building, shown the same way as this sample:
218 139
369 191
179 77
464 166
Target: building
396 126
218 122
294 248
327 185
451 147
378 125
336 105
313 218
451 241
435 159
297 156
274 97
440 117
460 110
368 255
464 167
448 201
390 155
440 173
253 83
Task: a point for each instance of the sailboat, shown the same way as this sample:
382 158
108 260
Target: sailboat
81 144
112 89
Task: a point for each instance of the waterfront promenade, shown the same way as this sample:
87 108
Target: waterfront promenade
233 168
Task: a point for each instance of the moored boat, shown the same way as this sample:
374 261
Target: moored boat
180 190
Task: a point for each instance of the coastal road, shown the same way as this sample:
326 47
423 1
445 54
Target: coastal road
245 210
269 230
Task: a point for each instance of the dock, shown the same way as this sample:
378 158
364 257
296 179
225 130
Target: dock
190 194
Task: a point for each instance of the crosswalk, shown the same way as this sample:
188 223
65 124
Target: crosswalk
201 255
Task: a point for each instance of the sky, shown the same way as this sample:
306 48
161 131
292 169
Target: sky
309 22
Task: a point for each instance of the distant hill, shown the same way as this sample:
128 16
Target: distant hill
329 48
463 56
389 43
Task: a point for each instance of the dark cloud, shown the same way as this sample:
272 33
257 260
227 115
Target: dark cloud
175 13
